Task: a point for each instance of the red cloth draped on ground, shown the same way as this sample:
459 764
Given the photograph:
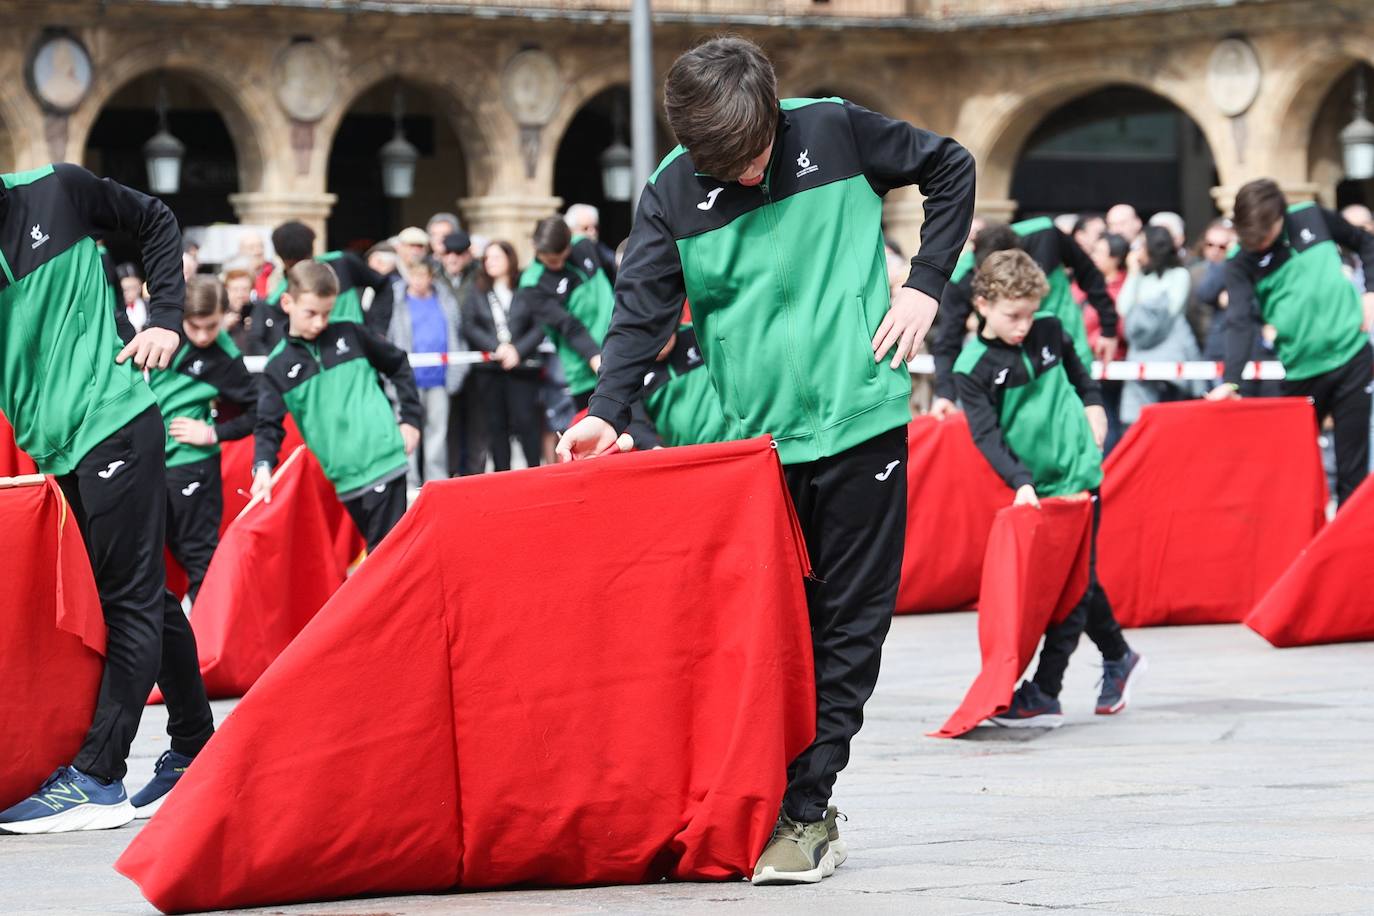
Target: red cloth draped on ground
52 638
569 675
1204 506
953 494
274 569
236 479
1036 570
13 462
1325 595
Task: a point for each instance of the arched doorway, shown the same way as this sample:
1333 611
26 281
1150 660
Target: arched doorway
1119 144
363 214
209 171
1326 167
577 165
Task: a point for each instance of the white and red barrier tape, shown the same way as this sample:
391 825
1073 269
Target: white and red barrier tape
1123 370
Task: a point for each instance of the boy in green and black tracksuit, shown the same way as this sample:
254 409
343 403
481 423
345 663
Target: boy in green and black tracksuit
94 424
780 252
678 396
207 370
1057 254
325 374
1290 277
294 242
1032 406
573 301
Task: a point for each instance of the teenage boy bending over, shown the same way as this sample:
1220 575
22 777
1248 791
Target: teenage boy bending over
1036 415
1287 273
82 411
325 374
769 219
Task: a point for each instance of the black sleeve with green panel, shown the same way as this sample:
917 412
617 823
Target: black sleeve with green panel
197 377
1298 287
788 279
59 384
575 309
1025 407
1056 252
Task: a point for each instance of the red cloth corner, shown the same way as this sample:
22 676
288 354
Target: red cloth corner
52 637
1205 505
953 494
611 699
274 569
1036 571
13 462
1325 595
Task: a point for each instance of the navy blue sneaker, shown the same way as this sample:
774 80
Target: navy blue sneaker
1030 707
1117 678
166 772
69 800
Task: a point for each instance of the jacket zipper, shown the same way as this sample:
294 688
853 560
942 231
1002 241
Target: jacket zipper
807 407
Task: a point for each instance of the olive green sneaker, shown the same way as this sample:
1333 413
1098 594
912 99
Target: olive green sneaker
832 830
798 853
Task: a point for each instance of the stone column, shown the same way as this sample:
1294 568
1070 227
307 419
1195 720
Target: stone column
903 214
264 208
997 211
509 217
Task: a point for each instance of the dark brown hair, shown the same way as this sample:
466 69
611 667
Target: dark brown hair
552 235
312 277
204 297
1259 205
485 281
1010 274
722 104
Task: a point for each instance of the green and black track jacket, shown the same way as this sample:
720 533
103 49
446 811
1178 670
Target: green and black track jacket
787 280
574 305
1056 253
197 377
1025 409
330 386
269 326
1298 287
679 398
59 383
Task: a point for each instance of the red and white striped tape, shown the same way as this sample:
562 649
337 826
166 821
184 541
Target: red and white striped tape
924 364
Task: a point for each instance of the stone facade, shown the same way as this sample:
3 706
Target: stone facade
988 85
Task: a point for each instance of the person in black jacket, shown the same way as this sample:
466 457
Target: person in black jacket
498 322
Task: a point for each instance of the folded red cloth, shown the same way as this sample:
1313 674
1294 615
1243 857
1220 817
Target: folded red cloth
1204 505
13 462
540 677
1324 596
52 637
953 494
1035 572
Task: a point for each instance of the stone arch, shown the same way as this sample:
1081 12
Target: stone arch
1299 101
456 95
581 89
246 117
999 134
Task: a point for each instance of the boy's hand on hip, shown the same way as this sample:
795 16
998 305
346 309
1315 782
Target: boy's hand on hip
941 408
587 438
905 325
192 432
410 436
262 485
1097 422
1025 496
151 348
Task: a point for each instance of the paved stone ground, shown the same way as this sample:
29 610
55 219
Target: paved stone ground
1240 782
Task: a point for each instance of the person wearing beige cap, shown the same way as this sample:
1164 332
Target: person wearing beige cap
412 244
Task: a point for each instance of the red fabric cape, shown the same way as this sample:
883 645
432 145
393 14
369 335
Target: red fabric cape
539 677
52 637
1036 571
13 462
953 494
275 567
1203 507
1327 594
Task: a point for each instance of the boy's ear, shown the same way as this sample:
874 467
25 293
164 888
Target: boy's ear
979 302
286 302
